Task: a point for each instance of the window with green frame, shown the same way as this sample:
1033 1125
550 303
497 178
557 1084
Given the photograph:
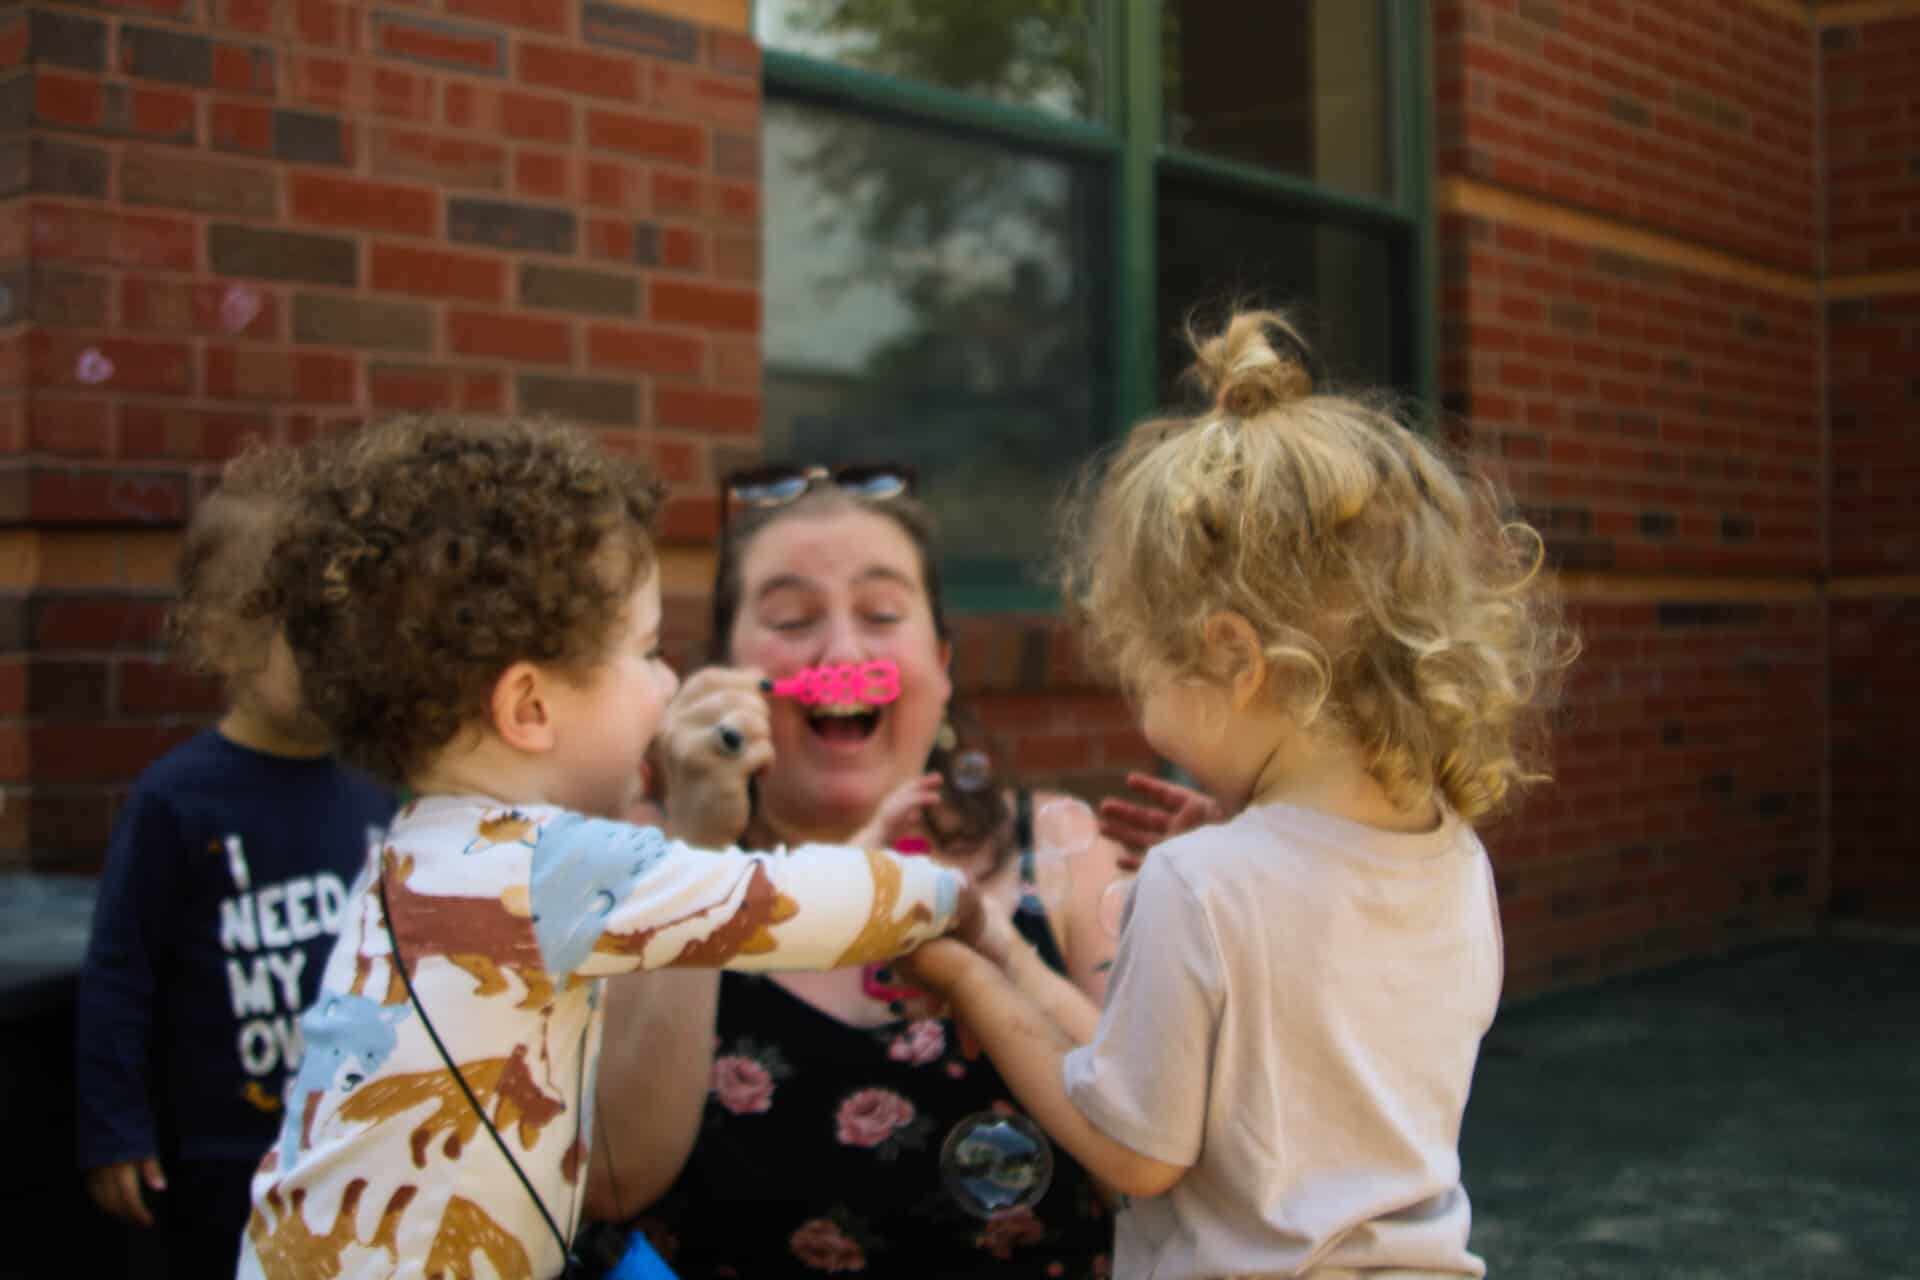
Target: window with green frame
988 222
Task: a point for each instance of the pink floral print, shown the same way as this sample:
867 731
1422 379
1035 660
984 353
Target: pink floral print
822 1246
742 1085
1008 1231
870 1117
922 1042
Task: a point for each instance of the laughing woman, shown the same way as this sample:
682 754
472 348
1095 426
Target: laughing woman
815 1144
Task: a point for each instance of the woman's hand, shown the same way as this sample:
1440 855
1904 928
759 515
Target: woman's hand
1172 810
713 739
899 814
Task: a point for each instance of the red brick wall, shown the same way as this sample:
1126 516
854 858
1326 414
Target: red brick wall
1630 337
1872 149
1693 117
1650 417
1686 807
476 203
1870 137
1049 720
1873 350
237 218
1875 693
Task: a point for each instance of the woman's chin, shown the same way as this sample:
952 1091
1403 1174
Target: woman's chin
829 798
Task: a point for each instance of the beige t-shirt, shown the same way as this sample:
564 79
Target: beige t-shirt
1295 1011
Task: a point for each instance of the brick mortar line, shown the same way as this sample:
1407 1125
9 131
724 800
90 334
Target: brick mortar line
1842 14
1601 585
1483 199
1848 14
688 568
122 546
1873 586
699 13
1873 284
1791 10
685 568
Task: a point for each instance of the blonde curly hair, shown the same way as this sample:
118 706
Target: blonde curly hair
1392 596
214 625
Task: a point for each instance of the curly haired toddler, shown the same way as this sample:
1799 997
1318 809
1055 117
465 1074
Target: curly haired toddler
475 610
1345 644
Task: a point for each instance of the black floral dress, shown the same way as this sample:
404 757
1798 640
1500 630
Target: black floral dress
820 1153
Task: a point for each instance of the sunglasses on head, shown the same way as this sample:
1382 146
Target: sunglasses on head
759 487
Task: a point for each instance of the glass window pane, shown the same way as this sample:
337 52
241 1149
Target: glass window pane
1033 53
937 301
1296 87
1219 249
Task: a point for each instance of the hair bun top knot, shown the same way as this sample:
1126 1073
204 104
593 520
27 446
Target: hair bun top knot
1243 372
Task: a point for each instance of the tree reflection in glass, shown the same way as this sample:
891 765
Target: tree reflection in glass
935 300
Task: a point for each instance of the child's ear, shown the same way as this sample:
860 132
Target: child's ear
521 713
1239 659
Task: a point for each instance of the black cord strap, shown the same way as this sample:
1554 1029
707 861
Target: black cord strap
393 939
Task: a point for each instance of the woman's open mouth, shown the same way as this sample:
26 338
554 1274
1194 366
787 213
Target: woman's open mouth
850 722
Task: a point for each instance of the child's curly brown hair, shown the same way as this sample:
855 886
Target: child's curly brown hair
429 554
1392 594
214 624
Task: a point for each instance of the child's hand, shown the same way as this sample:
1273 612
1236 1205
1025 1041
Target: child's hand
936 969
116 1188
1173 810
899 814
984 926
713 738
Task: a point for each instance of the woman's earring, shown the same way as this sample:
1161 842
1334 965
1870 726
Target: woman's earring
946 739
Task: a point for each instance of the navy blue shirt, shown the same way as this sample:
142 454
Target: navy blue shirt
224 887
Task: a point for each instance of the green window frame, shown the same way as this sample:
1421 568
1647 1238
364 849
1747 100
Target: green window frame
1126 136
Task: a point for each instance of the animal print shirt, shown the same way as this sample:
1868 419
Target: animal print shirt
505 918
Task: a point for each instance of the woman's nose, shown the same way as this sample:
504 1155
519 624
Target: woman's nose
841 642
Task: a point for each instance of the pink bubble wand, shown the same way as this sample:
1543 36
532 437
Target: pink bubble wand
872 683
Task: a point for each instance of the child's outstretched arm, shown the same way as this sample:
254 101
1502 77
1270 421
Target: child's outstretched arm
1132 1103
1029 1049
605 897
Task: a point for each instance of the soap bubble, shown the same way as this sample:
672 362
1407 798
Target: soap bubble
93 367
1064 828
972 771
993 1162
238 307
